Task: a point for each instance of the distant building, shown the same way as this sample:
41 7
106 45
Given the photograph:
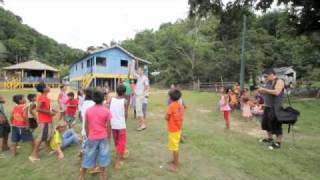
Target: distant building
288 74
28 74
104 67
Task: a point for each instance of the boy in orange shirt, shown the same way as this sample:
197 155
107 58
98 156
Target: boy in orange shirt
174 117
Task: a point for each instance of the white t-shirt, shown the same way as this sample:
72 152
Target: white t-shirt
141 85
118 120
85 105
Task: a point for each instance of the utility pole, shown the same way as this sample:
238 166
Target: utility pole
242 68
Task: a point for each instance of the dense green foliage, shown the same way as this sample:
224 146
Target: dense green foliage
208 48
19 42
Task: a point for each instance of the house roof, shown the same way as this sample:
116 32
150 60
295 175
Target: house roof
31 65
119 47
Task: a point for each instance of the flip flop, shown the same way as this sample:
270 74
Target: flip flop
33 160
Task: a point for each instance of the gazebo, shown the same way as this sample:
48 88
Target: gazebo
28 74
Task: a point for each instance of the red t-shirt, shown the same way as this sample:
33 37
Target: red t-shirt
175 113
18 116
71 111
96 119
44 103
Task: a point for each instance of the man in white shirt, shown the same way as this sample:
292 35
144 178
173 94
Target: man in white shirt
141 91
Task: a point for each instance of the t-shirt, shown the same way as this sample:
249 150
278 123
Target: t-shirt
44 103
18 116
85 106
96 119
63 98
142 82
71 111
175 113
118 120
55 141
128 87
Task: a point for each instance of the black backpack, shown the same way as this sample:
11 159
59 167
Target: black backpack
286 115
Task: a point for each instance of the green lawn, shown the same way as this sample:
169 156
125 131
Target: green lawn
210 151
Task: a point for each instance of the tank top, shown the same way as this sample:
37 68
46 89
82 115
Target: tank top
271 100
29 112
118 120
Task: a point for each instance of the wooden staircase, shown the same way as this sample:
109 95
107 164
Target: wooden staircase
86 81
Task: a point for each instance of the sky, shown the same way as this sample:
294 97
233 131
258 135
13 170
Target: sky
83 23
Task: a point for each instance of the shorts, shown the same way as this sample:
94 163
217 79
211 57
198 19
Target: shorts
270 123
21 134
33 124
119 138
96 150
44 132
69 119
174 140
139 104
4 129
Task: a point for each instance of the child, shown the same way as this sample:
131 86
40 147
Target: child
31 108
19 123
133 99
98 130
118 108
62 99
81 98
246 108
70 113
44 118
257 109
62 138
225 107
233 100
174 117
4 128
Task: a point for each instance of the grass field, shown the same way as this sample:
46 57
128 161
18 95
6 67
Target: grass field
210 152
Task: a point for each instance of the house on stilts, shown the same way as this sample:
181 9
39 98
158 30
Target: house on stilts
104 67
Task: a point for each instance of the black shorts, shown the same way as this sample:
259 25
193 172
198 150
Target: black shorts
270 122
4 129
21 134
33 124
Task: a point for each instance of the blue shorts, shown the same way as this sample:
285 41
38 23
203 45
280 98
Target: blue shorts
21 134
96 150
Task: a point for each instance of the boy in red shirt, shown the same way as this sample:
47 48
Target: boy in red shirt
45 116
19 123
174 117
72 106
98 129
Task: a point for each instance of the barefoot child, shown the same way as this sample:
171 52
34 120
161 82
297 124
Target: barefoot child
62 138
44 118
118 108
174 117
72 106
225 107
4 128
31 112
19 123
98 130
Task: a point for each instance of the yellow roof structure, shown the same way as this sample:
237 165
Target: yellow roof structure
31 65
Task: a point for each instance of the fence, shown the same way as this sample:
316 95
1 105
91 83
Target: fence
215 86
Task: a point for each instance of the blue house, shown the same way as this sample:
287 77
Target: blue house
104 67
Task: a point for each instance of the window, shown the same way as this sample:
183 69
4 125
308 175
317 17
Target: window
101 61
81 65
124 63
76 67
89 62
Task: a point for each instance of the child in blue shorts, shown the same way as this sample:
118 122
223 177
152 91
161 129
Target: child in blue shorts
98 131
